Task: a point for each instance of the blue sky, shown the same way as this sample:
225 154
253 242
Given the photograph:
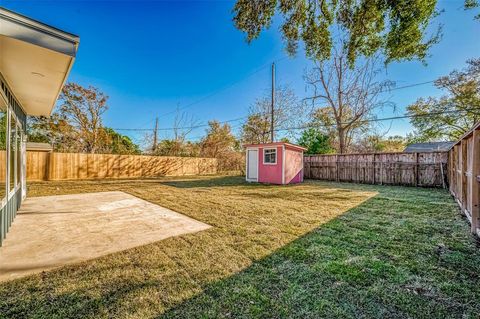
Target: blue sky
153 56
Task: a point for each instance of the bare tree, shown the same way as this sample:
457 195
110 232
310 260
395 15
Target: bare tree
183 125
349 95
175 143
288 113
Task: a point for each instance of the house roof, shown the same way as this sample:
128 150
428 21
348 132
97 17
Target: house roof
35 60
429 147
288 145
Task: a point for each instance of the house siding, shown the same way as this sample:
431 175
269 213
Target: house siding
13 198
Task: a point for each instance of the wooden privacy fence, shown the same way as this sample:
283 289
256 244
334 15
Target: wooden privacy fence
464 175
426 169
60 166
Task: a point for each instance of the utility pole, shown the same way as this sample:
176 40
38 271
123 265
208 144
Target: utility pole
273 104
155 132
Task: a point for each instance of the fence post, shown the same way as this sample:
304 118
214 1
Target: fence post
374 162
475 172
336 168
463 145
48 166
415 171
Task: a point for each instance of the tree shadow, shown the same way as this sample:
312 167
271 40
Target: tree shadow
402 253
386 263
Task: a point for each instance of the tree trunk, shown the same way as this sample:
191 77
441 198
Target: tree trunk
341 140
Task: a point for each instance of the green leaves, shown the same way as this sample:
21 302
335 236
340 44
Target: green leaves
398 29
253 15
451 115
472 4
316 142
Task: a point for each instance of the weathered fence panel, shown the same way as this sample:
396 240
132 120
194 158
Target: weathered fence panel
62 166
464 174
408 169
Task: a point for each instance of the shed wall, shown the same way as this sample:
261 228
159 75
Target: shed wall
269 173
293 166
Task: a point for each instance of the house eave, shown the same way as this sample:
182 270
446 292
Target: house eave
35 60
22 28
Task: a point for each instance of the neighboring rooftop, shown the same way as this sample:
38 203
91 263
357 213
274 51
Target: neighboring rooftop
428 147
39 147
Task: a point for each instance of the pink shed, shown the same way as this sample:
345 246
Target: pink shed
274 163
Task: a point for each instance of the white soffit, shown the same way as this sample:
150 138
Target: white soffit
35 60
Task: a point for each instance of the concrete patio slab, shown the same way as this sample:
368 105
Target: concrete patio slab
53 231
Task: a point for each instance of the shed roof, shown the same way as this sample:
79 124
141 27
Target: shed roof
288 145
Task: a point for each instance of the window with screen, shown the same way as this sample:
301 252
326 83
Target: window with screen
270 156
3 148
18 158
13 152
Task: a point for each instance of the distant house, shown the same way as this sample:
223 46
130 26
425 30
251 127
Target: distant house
39 147
428 147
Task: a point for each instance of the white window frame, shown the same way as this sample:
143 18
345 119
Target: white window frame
18 181
18 158
12 191
276 155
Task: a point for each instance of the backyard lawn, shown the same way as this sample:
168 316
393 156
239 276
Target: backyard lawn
312 250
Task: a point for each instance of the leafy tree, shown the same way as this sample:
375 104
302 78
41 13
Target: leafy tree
454 113
120 144
218 142
472 4
83 109
172 147
56 131
394 143
76 124
395 28
316 142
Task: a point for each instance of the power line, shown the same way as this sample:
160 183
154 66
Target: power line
245 117
380 119
178 128
408 86
222 89
381 91
316 126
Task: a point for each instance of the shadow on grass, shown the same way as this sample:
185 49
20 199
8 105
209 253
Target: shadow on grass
383 258
403 253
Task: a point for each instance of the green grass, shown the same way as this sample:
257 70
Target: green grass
304 251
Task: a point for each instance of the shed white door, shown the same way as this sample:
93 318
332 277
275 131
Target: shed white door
252 165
